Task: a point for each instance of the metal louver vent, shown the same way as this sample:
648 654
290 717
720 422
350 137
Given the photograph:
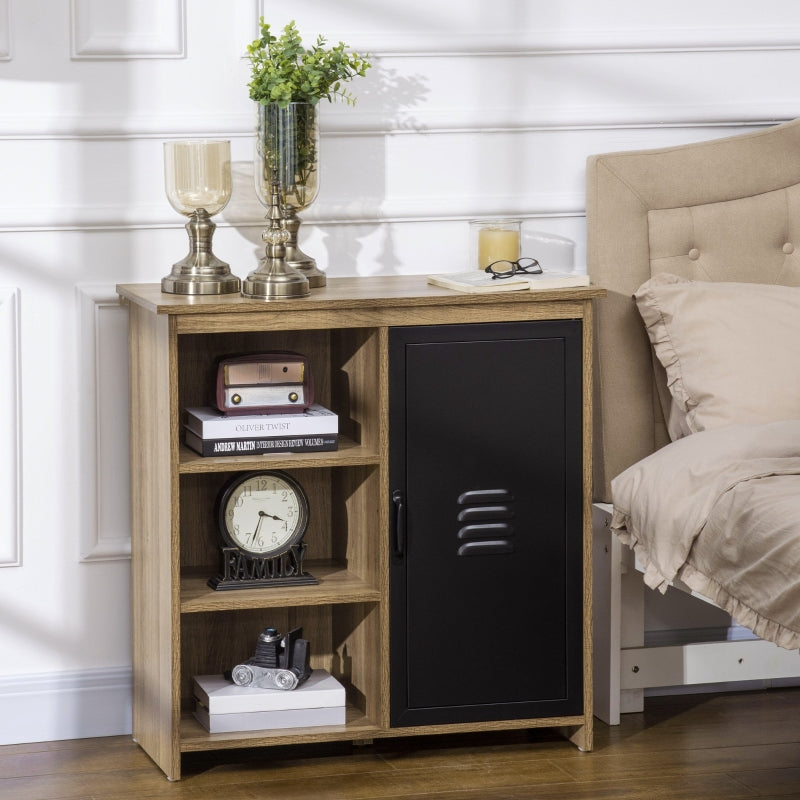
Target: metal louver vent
485 515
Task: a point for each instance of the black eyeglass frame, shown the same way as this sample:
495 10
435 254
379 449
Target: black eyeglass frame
527 266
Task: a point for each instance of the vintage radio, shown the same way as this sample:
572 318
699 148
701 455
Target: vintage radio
264 383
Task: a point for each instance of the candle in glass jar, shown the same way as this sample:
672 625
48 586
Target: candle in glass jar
496 244
493 240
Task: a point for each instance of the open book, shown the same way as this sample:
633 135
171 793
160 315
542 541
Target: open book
477 280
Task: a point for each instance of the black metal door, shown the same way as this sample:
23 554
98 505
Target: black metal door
486 553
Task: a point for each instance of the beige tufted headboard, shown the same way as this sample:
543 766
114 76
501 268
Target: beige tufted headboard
727 209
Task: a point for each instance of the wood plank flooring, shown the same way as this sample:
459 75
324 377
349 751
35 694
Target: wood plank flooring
699 746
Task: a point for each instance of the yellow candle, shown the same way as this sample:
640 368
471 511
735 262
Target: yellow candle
496 244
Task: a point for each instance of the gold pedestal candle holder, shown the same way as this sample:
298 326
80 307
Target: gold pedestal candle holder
197 177
275 279
295 257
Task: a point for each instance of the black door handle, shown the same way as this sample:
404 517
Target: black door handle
399 523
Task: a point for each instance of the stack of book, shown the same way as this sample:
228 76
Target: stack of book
223 707
212 433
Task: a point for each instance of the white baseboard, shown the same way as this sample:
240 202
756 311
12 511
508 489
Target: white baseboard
77 704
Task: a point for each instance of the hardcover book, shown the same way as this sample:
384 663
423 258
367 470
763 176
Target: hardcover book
208 423
261 446
221 696
476 281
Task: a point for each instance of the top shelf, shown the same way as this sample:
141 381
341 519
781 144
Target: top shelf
356 293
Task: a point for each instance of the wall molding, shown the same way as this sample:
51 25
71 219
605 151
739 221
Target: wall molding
105 452
160 32
75 704
5 30
10 434
370 210
360 121
468 36
576 41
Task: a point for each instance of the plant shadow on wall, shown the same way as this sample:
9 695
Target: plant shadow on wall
357 168
350 163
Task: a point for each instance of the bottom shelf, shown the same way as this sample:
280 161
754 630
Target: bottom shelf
195 738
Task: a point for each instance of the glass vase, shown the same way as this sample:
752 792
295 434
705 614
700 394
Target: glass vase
287 146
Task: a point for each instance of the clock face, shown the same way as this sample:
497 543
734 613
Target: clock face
263 513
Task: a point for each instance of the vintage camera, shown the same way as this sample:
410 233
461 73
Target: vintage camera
266 383
278 663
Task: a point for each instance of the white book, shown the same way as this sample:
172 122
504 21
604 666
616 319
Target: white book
269 720
476 281
221 696
208 423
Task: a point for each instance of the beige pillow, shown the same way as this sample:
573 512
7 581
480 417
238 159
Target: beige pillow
731 351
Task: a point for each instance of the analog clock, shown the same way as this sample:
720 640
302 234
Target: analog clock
263 513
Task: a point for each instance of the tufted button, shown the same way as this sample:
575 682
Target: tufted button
694 254
788 248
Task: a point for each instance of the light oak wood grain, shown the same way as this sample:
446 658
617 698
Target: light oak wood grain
344 294
183 628
156 643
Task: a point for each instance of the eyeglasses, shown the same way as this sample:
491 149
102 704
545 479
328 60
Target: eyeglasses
505 269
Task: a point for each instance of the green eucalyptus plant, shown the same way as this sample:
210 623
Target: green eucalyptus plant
283 71
287 81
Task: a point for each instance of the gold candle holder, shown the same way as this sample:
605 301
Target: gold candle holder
197 176
274 278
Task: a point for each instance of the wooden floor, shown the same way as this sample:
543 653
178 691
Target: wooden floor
715 746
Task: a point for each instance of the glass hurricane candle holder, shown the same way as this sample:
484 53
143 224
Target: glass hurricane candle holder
287 144
197 176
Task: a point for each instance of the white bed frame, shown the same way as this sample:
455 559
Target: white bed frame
624 667
726 209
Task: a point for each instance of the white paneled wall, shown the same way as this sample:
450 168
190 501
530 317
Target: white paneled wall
5 26
472 109
10 444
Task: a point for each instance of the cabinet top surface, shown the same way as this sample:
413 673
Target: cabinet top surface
364 292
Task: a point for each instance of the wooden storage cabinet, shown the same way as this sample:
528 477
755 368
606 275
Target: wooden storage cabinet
181 627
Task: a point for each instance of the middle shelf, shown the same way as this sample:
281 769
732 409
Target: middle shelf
337 585
350 453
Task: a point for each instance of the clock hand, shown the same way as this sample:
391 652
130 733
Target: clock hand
254 534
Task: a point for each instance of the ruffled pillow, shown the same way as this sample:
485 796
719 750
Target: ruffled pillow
731 351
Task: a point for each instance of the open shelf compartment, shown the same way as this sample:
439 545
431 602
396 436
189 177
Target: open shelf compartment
342 637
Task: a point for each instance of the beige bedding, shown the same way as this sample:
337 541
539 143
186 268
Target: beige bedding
720 510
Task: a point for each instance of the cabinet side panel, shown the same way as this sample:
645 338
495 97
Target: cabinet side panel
359 515
356 630
587 734
354 375
152 562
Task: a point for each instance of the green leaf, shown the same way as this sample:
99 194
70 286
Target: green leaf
283 71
